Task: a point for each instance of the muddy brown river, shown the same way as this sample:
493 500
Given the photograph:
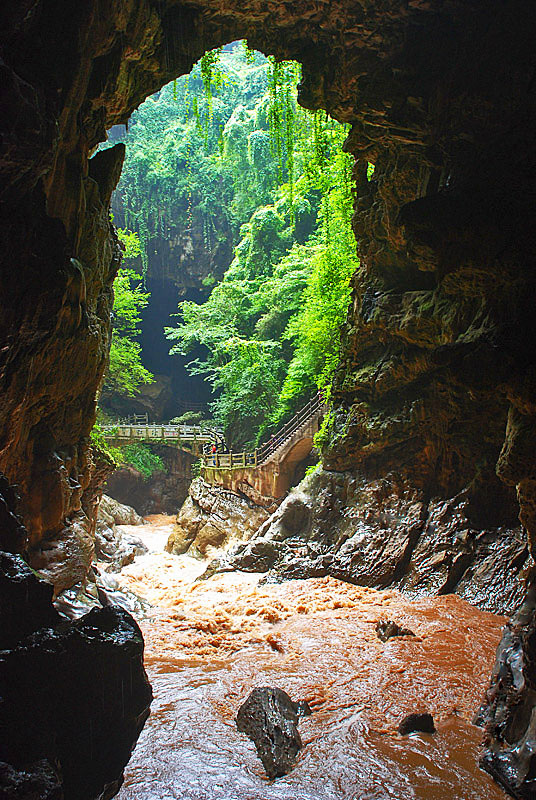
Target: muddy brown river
209 643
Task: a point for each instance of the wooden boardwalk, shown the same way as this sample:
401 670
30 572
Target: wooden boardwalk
301 427
269 468
190 437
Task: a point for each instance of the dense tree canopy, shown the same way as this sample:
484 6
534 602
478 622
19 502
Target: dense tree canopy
227 151
271 326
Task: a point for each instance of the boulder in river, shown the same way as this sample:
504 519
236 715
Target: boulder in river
270 719
386 628
74 695
417 723
112 545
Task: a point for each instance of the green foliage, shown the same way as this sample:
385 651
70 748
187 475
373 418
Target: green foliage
321 438
227 155
313 468
315 329
187 165
130 242
126 372
270 329
188 418
99 442
142 457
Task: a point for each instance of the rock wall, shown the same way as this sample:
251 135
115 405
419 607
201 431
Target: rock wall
74 696
384 533
438 345
182 259
162 493
113 547
508 714
213 518
436 383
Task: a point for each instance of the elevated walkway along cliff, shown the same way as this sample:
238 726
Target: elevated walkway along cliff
268 472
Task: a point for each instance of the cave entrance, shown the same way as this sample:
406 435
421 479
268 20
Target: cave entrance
431 88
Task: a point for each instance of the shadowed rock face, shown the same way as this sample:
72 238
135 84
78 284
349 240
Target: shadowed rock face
413 723
38 781
508 714
438 373
438 344
73 696
386 533
210 517
162 493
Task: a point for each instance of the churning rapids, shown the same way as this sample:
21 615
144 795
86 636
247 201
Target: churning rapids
208 643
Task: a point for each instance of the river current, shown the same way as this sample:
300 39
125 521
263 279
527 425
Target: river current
208 643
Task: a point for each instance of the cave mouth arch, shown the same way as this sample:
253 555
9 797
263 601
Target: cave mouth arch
429 90
384 76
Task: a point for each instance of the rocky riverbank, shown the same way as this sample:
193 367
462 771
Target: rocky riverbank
378 534
213 518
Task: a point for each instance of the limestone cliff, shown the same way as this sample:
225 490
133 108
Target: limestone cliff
384 533
164 492
437 378
438 342
213 517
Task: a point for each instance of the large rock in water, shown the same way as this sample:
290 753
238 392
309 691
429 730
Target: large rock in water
112 511
116 547
73 696
270 719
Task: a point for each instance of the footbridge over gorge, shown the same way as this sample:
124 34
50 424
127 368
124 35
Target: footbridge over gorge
267 472
192 438
262 474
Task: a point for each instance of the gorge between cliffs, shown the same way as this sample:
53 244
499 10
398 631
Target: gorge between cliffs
267 277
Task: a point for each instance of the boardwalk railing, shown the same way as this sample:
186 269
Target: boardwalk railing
230 460
315 408
168 433
200 437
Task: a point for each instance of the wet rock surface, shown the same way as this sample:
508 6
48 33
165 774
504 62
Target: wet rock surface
112 511
211 517
437 379
114 546
385 534
386 629
509 712
25 602
270 719
74 696
38 781
417 723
